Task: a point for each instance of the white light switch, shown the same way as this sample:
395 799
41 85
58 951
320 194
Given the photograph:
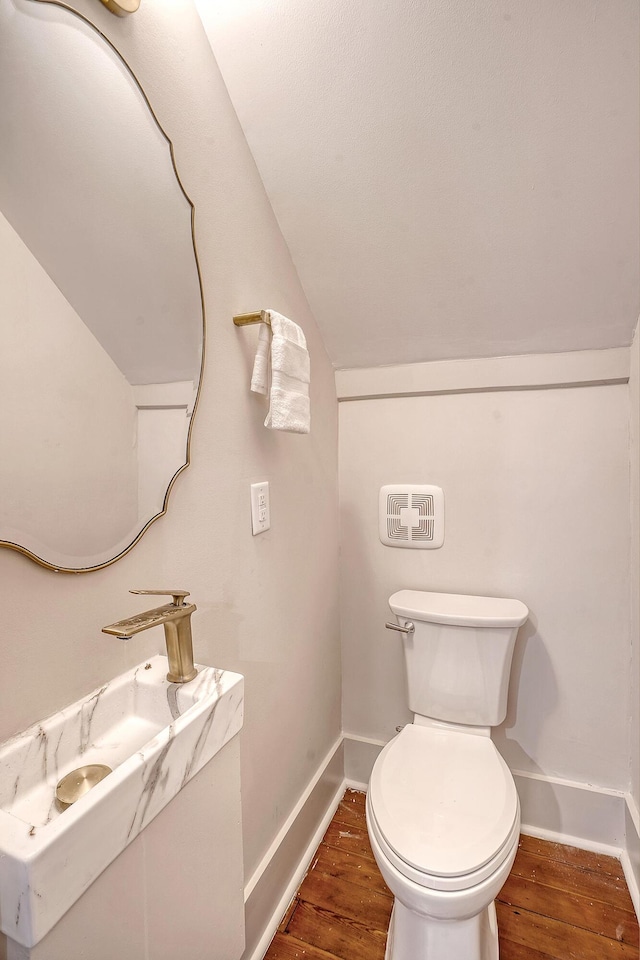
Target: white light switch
260 512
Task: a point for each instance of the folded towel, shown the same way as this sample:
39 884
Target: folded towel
260 377
282 358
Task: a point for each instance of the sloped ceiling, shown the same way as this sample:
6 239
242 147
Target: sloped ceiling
454 178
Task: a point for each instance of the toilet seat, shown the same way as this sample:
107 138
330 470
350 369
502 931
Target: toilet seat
443 806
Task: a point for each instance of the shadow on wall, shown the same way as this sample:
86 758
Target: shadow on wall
526 721
373 677
525 715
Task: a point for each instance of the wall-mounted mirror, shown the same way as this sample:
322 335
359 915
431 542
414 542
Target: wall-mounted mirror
100 297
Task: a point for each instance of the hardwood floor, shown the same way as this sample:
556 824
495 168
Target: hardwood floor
559 903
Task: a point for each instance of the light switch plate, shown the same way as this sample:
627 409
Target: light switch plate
260 509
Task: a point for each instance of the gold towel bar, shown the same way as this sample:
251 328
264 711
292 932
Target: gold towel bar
244 318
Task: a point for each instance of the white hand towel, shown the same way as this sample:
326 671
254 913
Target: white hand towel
282 357
260 378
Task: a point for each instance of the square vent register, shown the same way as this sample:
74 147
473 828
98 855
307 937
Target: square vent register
412 515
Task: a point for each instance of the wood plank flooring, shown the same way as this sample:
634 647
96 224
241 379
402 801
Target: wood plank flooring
559 903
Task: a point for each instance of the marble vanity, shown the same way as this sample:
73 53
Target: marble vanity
155 735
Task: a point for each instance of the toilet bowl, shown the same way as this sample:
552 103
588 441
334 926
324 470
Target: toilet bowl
444 820
443 814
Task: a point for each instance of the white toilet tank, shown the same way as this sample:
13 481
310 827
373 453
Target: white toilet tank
458 658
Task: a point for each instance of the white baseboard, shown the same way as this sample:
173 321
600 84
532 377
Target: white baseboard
356 785
631 853
570 812
360 754
275 881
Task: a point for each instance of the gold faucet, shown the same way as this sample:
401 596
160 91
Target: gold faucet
176 618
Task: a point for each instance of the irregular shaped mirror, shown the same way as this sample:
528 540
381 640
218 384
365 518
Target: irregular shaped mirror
100 298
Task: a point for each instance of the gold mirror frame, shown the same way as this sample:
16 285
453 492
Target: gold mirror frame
100 566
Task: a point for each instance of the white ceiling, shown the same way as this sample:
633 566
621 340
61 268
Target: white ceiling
454 178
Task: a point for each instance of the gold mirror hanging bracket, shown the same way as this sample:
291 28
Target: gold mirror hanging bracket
122 8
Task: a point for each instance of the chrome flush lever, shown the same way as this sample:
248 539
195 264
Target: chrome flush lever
410 628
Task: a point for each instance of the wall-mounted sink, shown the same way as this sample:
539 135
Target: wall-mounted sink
155 736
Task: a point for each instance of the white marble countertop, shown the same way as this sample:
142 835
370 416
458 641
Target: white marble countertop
155 736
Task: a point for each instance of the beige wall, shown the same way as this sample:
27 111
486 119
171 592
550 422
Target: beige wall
634 720
267 606
536 507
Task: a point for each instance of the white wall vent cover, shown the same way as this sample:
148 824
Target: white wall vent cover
412 515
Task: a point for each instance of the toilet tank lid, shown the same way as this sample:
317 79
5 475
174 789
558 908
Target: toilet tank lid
460 610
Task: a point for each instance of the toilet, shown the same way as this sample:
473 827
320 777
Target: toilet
443 814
